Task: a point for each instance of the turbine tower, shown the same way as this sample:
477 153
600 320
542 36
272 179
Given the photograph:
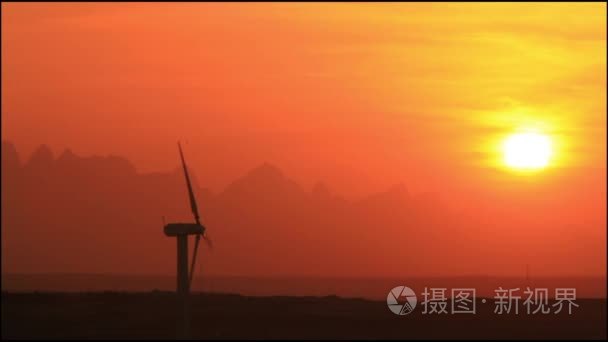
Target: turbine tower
181 231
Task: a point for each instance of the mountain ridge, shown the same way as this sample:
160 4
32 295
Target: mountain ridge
75 214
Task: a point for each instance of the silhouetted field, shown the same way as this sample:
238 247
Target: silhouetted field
153 315
373 288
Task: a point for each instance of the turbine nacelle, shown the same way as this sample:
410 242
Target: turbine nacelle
175 229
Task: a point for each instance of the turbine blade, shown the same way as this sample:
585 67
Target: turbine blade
198 238
193 205
208 240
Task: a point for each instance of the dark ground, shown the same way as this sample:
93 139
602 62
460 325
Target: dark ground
153 315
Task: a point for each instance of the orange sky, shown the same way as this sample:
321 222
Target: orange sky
361 96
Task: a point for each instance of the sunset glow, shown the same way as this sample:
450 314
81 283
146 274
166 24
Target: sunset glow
289 170
308 128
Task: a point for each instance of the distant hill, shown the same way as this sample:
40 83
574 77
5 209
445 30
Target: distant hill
72 214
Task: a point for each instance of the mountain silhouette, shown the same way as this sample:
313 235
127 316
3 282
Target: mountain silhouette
10 158
265 179
98 214
41 159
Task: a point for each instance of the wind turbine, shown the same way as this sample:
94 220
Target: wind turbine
181 231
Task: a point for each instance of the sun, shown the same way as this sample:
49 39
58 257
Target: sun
527 151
